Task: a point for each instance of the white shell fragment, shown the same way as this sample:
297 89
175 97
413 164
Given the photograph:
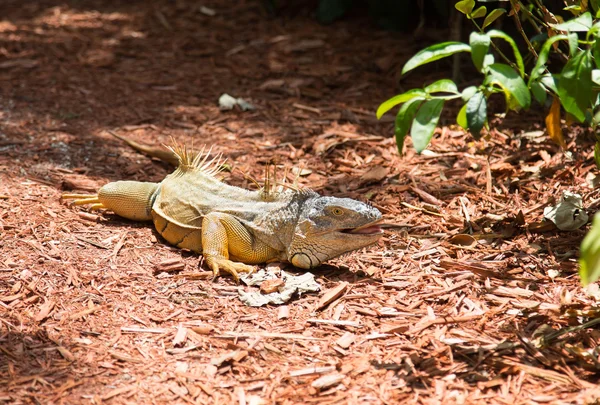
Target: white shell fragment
301 284
568 214
226 102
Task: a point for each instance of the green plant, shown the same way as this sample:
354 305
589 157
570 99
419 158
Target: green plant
573 46
575 43
589 260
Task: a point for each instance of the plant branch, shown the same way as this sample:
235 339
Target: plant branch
502 55
520 27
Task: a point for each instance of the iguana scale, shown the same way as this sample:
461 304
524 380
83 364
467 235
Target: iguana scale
233 227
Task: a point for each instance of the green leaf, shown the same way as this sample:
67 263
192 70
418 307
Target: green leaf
461 118
589 254
465 6
539 67
596 52
539 92
403 119
549 82
595 122
573 43
596 101
480 43
488 60
425 122
593 32
596 76
433 53
476 111
468 92
595 5
399 99
493 16
442 86
480 12
580 24
575 85
515 91
513 45
575 9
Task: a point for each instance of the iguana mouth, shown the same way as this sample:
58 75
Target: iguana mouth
372 228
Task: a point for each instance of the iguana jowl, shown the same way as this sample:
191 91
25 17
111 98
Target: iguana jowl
233 227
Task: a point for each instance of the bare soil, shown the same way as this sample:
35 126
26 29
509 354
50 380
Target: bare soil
96 309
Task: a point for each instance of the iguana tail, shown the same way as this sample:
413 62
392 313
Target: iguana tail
128 199
168 156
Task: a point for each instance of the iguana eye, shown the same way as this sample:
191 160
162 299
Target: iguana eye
337 211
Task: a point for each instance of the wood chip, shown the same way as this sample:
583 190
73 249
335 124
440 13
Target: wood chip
87 216
354 324
290 336
134 329
83 313
65 353
346 340
312 370
120 391
331 295
270 286
45 310
283 312
170 265
327 381
125 357
180 336
203 329
236 355
425 196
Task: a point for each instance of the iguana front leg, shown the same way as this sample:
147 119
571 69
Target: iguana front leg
224 237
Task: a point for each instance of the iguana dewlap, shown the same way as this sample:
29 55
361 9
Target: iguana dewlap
233 227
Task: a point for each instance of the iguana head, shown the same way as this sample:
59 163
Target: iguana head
329 227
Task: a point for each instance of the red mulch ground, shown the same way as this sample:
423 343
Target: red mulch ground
85 317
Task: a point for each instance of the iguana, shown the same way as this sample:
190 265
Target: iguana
233 227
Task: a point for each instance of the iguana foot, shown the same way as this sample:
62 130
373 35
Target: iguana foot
83 199
217 265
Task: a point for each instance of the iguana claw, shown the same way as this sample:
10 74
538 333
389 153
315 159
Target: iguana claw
217 265
83 199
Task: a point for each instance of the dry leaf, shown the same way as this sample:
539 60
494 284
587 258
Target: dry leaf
553 124
463 240
374 175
